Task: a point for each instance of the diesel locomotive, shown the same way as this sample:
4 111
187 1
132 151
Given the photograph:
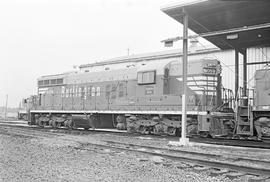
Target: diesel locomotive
253 118
143 97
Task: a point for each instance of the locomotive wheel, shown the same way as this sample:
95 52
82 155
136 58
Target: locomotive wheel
44 124
171 131
204 134
25 118
40 123
73 126
50 122
120 119
143 130
140 129
58 124
92 122
68 124
132 127
53 124
162 129
121 126
158 129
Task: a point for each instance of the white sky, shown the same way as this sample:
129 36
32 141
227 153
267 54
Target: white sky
40 37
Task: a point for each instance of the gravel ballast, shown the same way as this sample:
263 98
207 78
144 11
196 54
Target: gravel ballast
54 158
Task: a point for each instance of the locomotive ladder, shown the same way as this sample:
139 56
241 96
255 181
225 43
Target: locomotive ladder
243 114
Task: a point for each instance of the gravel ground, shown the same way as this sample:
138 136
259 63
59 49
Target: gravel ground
41 158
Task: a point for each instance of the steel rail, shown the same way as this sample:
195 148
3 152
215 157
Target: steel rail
236 158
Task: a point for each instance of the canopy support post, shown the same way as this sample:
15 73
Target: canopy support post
236 78
184 140
245 92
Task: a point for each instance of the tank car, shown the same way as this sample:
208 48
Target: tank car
143 98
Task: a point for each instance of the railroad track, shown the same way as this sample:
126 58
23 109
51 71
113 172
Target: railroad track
216 141
197 162
256 167
215 163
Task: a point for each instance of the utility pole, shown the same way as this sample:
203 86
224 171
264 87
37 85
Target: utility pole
6 108
128 51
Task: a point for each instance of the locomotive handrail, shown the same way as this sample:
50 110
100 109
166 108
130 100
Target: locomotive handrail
249 96
203 95
227 98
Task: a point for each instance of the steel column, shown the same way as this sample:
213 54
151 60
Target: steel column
245 94
236 78
183 139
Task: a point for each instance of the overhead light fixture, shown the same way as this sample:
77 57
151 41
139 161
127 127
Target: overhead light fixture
232 36
168 43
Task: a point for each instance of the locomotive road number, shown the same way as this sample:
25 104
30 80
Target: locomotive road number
209 70
149 90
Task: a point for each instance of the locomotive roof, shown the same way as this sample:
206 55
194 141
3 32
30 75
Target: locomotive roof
105 75
122 73
261 72
217 21
159 68
148 56
55 76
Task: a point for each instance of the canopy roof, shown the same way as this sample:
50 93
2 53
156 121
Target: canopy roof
227 23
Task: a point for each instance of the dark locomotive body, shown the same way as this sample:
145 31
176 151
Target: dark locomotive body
253 109
260 111
140 98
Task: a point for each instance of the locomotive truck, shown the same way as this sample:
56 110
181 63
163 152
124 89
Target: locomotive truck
143 97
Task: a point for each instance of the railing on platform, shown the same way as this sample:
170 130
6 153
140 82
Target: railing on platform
245 98
228 97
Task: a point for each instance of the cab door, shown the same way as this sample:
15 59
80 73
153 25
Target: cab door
166 85
262 88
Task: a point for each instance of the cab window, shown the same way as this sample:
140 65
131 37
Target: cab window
148 77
